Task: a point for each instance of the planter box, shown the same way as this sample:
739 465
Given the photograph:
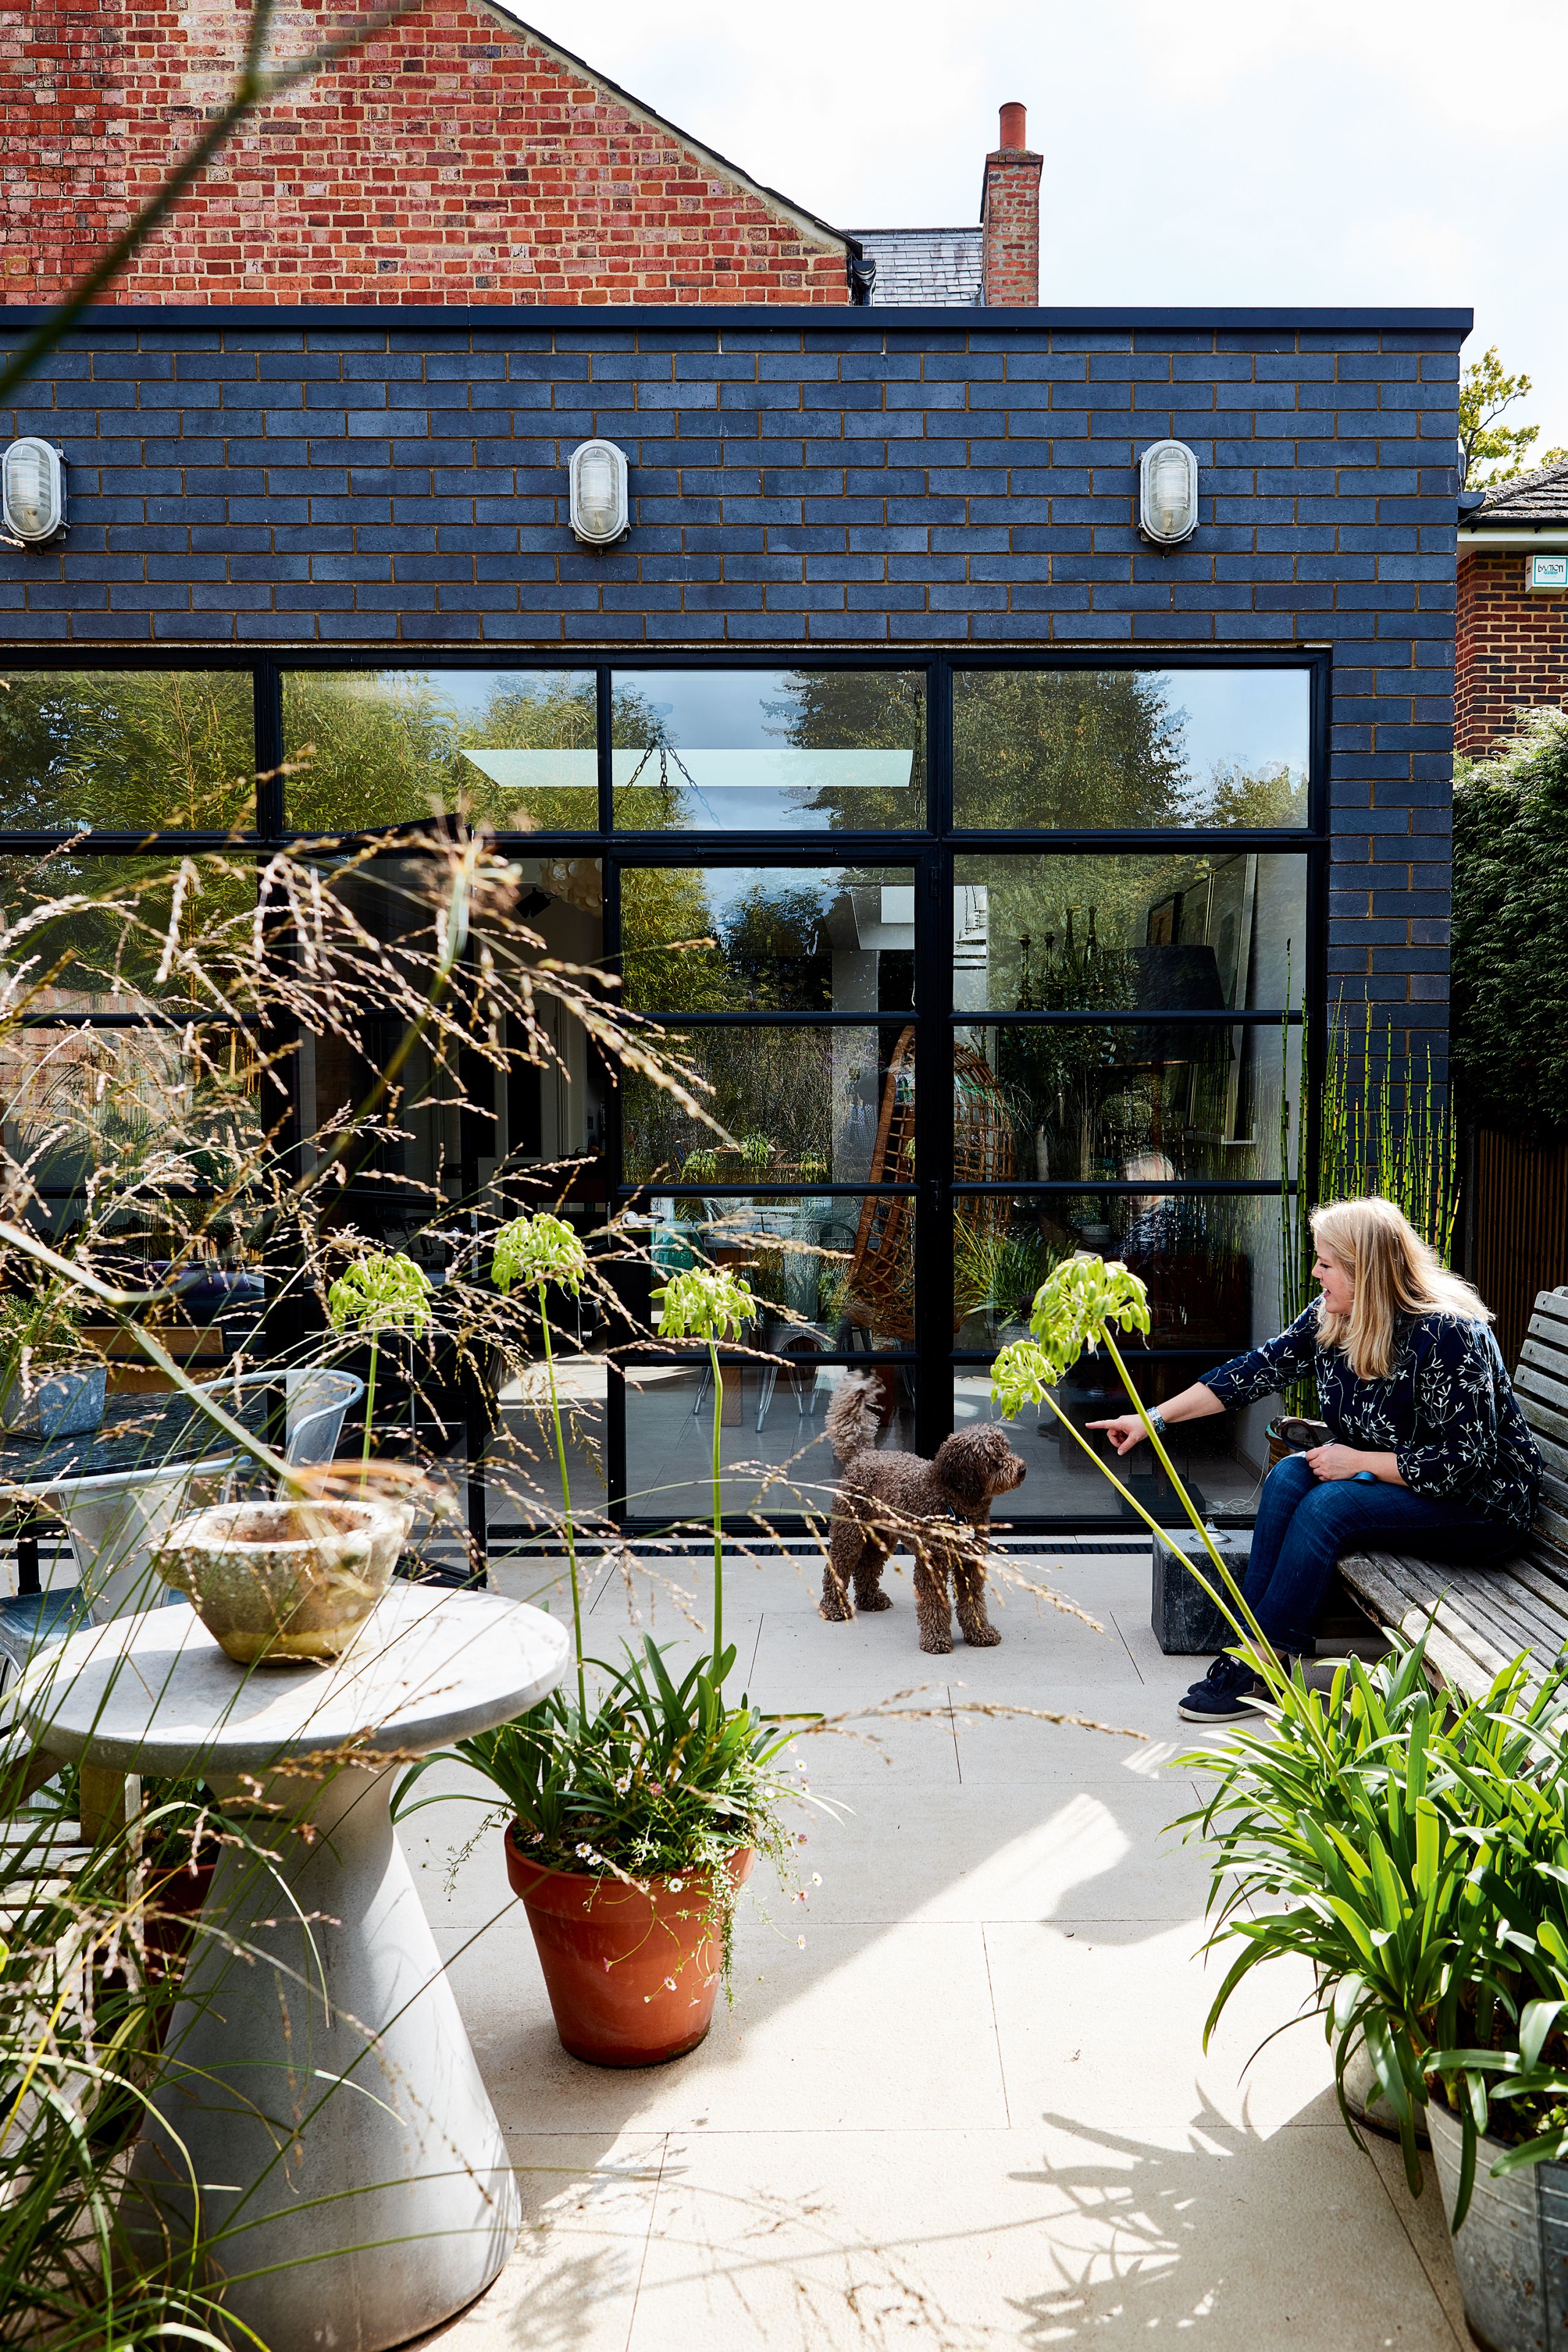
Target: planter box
62 1404
1511 2253
1186 1622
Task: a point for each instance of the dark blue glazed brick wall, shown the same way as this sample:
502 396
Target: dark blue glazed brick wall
880 479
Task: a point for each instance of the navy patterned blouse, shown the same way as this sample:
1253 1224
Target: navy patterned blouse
1447 1410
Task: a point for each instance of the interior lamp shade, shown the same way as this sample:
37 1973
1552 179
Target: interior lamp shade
599 503
1168 493
33 489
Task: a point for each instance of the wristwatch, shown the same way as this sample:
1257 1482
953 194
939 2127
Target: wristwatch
1157 1422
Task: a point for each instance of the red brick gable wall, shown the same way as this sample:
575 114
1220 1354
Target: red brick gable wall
1512 652
453 161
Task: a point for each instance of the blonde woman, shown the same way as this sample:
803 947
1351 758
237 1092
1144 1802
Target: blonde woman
1427 1451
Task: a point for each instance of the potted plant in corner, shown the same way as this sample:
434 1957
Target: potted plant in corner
1417 1855
633 1800
48 1385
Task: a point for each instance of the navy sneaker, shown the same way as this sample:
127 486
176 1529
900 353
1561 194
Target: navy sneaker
1227 1691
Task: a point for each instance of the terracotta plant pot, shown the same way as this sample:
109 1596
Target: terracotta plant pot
276 1582
632 1977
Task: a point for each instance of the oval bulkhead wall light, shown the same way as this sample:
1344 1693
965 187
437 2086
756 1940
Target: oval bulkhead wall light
33 489
1167 493
599 503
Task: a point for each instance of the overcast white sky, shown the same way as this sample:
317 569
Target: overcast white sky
1235 150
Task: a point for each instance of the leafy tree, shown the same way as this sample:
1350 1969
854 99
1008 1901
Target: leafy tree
775 944
1070 747
1485 391
671 957
379 748
1510 985
127 751
1265 796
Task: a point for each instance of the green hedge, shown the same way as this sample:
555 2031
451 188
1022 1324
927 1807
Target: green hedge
1509 986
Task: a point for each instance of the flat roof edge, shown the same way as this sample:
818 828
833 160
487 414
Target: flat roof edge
695 317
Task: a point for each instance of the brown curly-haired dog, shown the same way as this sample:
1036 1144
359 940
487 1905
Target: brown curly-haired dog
937 1508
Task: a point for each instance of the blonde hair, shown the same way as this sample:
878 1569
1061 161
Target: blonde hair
1393 1272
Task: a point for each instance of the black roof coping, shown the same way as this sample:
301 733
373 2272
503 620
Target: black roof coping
776 318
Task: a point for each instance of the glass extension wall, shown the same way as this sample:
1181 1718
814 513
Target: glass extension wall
973 964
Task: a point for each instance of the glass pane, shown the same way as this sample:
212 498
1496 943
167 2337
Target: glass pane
1125 1101
134 1129
1220 1461
1211 1261
774 1458
799 750
801 1105
1126 749
780 939
381 746
1179 934
550 1108
833 1271
105 956
127 751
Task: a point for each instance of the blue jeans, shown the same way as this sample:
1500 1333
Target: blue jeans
1306 1525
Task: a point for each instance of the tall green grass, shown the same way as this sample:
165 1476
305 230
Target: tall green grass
1385 1128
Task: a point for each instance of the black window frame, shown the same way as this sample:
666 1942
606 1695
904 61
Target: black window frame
929 850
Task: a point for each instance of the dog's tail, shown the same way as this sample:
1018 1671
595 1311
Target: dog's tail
854 1418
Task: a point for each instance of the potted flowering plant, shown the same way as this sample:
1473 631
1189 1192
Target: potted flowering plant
633 1813
1083 1303
383 1291
1416 1855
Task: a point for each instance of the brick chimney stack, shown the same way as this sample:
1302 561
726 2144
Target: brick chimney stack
1010 216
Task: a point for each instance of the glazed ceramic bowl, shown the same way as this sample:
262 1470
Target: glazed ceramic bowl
276 1582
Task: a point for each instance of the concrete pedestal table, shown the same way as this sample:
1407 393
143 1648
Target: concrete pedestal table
320 2130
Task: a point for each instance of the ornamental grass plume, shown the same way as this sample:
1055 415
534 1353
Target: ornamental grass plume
540 1249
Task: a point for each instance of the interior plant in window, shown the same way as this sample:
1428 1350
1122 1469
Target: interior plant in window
633 1804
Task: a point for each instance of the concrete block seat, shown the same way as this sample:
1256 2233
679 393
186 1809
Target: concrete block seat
1481 1619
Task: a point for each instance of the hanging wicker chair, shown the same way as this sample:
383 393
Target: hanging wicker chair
881 1293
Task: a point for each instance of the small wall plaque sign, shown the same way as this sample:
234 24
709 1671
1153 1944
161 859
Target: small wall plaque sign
1546 573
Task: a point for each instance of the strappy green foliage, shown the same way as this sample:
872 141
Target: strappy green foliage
1417 1856
655 1776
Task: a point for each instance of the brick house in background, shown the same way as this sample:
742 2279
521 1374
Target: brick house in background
1511 653
462 159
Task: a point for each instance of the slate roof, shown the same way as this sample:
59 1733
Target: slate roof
931 266
1540 496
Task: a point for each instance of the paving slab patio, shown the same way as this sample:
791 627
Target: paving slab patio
973 2109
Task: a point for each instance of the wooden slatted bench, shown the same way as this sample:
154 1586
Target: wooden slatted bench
1481 1619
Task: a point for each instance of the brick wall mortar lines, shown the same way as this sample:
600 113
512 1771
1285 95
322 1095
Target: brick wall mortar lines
451 160
1511 649
796 487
